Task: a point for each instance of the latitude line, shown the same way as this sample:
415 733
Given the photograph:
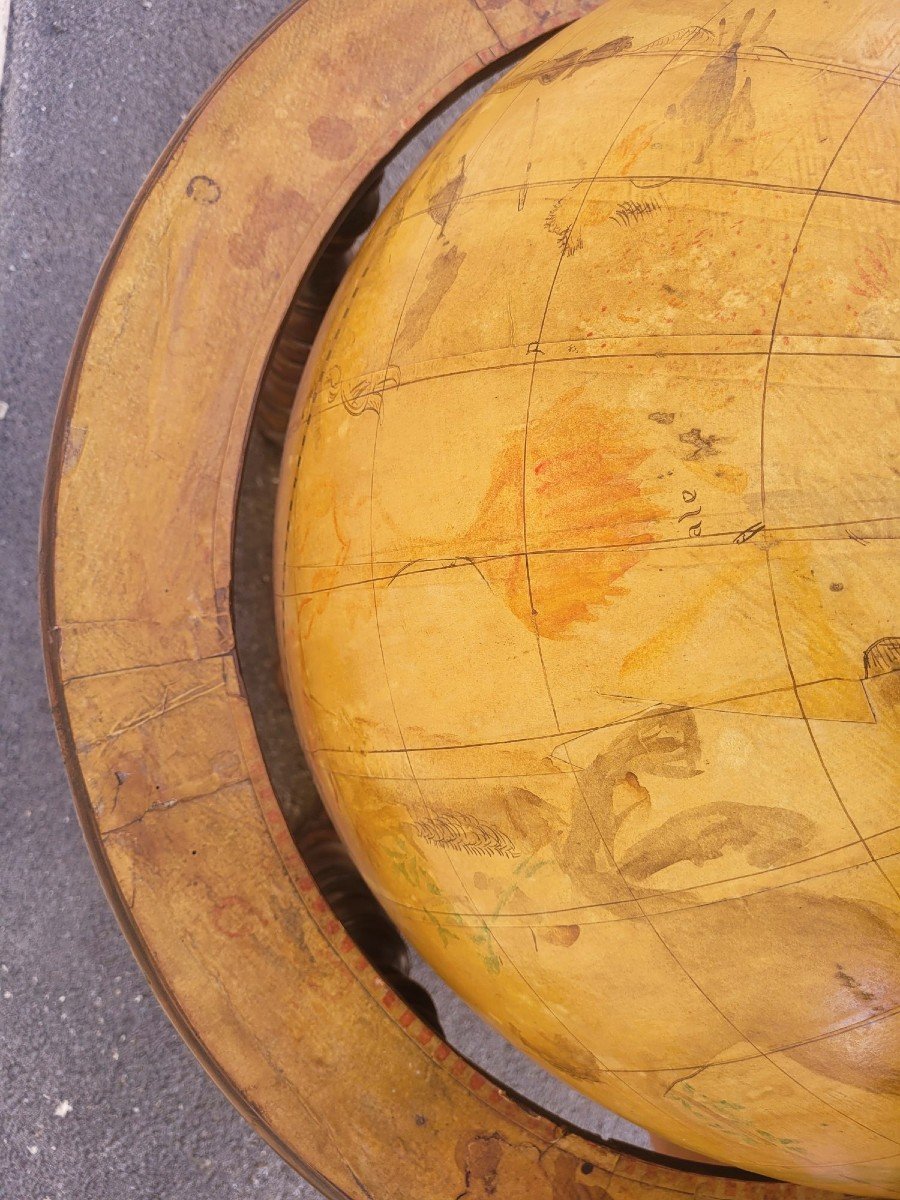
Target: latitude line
762 352
662 180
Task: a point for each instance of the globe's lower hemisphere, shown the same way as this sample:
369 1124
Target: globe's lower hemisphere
588 574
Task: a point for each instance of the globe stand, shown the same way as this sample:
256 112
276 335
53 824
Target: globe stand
216 257
301 324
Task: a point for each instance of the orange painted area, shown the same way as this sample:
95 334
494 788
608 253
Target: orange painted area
578 482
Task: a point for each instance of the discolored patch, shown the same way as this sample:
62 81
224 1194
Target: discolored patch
765 836
332 137
561 935
440 279
561 1053
271 220
445 199
584 488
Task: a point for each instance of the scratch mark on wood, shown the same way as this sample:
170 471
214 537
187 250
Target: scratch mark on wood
167 705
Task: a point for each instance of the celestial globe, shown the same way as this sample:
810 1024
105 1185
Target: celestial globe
587 572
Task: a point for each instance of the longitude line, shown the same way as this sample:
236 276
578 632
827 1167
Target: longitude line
762 470
536 344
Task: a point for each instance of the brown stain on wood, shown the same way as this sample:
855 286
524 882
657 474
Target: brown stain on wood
491 1167
277 210
332 137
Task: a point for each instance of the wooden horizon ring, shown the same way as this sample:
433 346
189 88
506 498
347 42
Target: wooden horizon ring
172 792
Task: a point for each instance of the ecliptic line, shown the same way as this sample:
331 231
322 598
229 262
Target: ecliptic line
447 562
466 561
602 906
655 708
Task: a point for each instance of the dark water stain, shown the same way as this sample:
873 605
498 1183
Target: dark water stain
441 277
713 102
769 837
275 211
332 137
561 1053
446 198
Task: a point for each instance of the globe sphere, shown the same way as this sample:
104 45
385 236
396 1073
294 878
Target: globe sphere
587 579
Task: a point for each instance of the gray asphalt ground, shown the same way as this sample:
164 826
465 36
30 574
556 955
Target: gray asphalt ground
99 1098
